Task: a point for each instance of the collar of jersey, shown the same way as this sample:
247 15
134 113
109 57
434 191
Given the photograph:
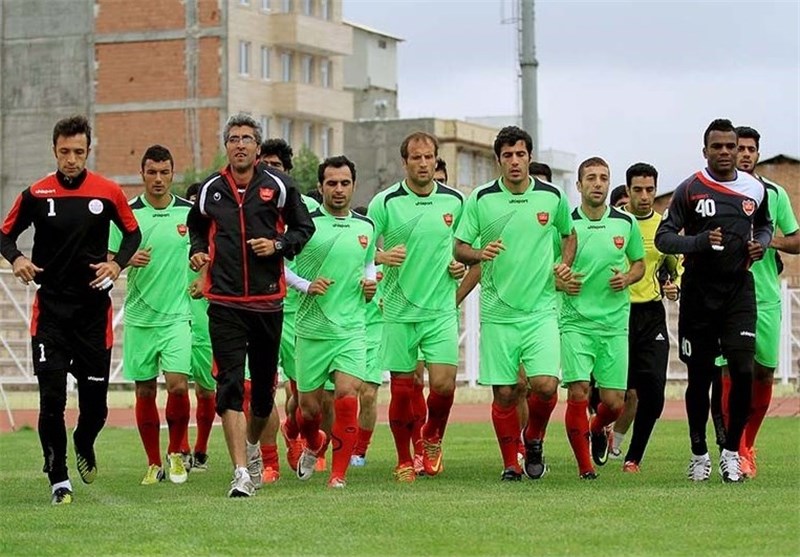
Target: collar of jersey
584 215
325 212
404 185
149 206
508 191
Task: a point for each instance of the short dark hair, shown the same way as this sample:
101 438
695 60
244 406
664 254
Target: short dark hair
591 161
616 194
749 133
540 168
361 210
280 149
718 125
419 136
315 195
158 153
193 189
441 164
336 162
641 169
509 136
72 126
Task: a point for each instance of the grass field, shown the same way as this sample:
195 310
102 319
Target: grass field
465 511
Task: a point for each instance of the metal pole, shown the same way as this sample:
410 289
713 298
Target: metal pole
528 66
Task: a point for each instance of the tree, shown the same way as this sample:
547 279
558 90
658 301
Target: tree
304 173
192 174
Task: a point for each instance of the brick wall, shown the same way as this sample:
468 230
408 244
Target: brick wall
140 72
117 16
787 174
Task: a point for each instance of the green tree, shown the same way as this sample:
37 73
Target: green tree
192 174
305 168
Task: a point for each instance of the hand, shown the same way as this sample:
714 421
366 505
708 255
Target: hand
319 286
671 290
198 261
715 239
107 272
755 250
369 287
24 269
571 287
141 258
619 281
457 269
562 271
392 257
262 247
492 250
196 288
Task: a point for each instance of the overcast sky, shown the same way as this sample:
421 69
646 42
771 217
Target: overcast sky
628 81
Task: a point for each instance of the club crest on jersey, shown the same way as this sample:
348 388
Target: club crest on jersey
363 240
95 206
182 229
543 217
619 241
266 194
749 207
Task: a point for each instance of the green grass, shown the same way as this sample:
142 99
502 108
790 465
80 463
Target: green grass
465 511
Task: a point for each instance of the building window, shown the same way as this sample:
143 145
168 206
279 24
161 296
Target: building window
308 7
265 62
382 44
286 130
308 135
325 9
286 66
244 2
287 6
325 142
265 6
244 58
308 69
325 73
465 177
265 127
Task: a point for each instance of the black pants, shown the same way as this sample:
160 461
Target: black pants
648 355
238 334
70 336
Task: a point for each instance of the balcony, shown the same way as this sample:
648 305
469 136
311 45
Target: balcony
310 34
310 102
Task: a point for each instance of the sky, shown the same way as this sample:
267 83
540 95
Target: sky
627 81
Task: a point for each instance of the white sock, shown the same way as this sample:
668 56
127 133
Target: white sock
618 439
59 485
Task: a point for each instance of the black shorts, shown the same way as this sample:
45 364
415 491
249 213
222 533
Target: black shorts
716 317
72 334
238 334
648 343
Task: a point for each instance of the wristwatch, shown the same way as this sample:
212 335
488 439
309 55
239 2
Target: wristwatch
278 245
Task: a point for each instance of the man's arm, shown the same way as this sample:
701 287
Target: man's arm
569 245
762 225
785 221
199 226
466 253
126 222
19 218
468 284
668 238
300 226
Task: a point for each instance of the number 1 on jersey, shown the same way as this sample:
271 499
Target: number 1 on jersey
51 204
42 357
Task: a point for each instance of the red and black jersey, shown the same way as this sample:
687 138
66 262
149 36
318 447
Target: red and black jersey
226 216
71 220
701 204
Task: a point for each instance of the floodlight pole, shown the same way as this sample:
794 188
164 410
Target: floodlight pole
528 67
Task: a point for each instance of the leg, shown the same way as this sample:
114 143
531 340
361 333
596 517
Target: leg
52 430
206 410
577 424
269 448
148 421
419 407
177 414
506 427
623 423
367 416
345 426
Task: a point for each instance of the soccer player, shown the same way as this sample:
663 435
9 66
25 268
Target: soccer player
440 172
416 219
594 314
339 264
725 221
648 341
71 211
541 171
768 299
246 221
512 220
619 197
158 330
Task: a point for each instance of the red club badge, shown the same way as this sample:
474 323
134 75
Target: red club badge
266 194
182 229
363 240
448 219
543 217
749 207
619 241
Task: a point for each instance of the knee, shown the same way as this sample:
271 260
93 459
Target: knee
309 405
506 395
544 387
178 388
368 397
444 386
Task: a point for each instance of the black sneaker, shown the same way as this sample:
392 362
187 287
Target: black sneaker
535 467
600 447
61 496
511 475
188 461
200 462
591 475
87 464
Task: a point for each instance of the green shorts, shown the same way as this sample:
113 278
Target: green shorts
605 357
504 346
147 351
286 355
768 337
434 341
317 359
374 373
202 366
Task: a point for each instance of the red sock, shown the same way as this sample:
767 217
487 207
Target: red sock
539 411
177 420
726 391
438 412
576 420
420 410
362 442
206 411
269 454
149 424
309 429
506 427
401 418
604 417
345 431
185 448
247 397
762 396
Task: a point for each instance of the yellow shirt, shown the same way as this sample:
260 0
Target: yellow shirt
649 289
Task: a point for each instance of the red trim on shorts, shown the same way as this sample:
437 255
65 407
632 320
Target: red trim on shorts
35 315
110 326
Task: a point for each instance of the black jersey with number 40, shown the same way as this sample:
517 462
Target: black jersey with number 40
701 204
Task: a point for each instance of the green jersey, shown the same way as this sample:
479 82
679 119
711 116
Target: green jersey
157 293
519 282
765 271
199 309
421 288
341 249
374 313
610 242
292 299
